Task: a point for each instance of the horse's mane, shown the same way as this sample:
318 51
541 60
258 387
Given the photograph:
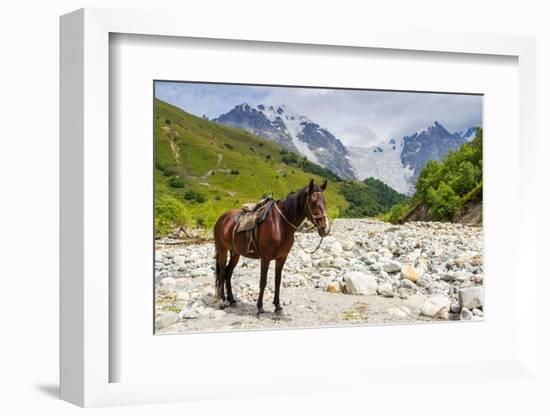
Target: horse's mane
294 201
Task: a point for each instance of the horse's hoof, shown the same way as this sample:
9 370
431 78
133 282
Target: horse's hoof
223 305
233 304
279 311
260 311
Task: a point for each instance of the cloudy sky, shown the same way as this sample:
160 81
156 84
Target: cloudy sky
356 117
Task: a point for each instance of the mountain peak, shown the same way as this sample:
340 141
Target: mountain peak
439 127
293 131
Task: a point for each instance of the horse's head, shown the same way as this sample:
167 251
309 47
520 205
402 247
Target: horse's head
316 210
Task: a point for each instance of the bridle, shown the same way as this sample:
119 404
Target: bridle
315 217
312 219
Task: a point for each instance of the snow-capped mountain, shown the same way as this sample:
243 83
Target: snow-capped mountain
294 132
399 162
432 143
383 162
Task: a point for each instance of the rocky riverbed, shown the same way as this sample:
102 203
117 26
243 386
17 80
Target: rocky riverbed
366 272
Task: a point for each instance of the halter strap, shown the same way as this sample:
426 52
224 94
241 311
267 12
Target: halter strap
296 228
323 215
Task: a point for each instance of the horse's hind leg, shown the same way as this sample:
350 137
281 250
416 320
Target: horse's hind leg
221 260
233 260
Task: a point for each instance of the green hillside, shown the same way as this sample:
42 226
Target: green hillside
204 169
450 190
370 198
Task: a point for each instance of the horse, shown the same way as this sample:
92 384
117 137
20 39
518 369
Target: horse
274 240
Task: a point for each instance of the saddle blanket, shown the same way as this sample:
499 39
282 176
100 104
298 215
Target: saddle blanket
247 219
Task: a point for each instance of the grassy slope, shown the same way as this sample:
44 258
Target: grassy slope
189 147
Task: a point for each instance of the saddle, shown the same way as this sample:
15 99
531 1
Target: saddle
247 220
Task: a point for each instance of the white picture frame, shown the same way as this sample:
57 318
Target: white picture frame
86 356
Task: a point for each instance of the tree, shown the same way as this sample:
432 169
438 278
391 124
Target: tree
443 202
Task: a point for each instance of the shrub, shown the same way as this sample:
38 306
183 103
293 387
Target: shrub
167 121
289 158
168 171
396 213
169 212
176 182
189 195
234 172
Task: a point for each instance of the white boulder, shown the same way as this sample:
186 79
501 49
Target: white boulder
358 283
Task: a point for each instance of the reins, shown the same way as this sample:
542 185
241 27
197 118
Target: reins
309 229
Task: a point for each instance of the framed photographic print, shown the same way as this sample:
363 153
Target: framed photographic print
394 207
274 201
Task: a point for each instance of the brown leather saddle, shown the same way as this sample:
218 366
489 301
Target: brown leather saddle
247 221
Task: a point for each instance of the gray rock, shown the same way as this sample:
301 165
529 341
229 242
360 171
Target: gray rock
448 277
471 297
391 266
477 312
437 306
180 260
466 315
456 308
347 245
462 276
371 258
385 289
407 284
357 283
324 262
416 302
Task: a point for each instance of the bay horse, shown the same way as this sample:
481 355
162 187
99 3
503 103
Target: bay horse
274 240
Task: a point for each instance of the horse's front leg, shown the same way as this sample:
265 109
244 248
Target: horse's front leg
279 264
263 281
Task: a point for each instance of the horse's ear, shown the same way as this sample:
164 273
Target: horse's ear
311 185
323 186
